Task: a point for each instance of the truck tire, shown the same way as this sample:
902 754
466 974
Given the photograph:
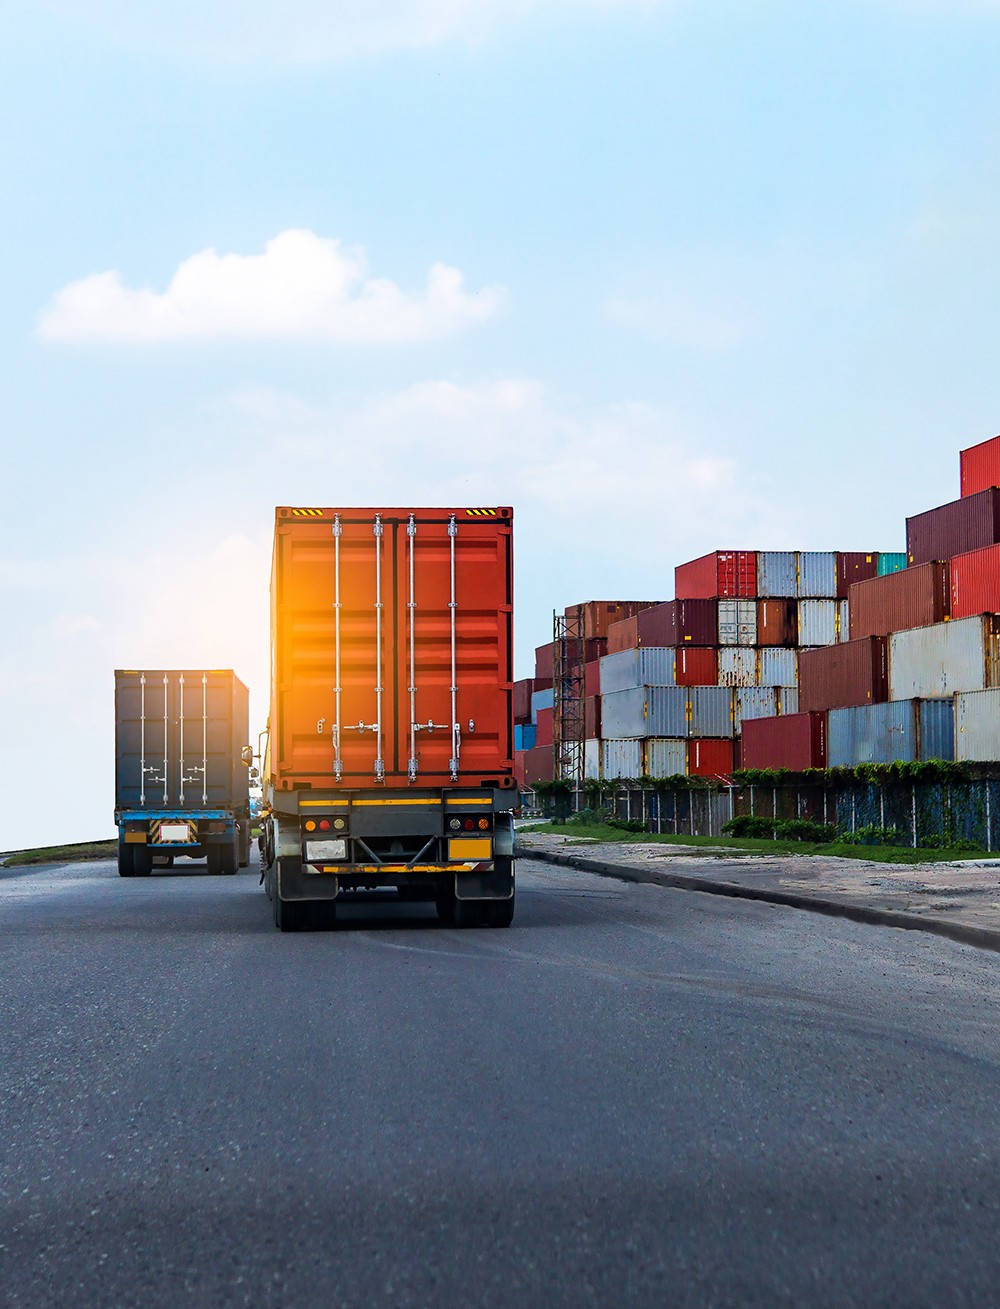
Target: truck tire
469 913
126 861
142 861
229 857
213 858
244 843
290 915
445 903
499 913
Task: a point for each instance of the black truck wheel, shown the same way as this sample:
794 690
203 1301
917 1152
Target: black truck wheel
229 856
213 858
499 913
290 915
243 838
126 861
142 860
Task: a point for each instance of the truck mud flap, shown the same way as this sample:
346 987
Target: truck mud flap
293 884
496 883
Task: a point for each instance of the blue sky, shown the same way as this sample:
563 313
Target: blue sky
665 276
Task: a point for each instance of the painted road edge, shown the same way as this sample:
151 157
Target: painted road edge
982 937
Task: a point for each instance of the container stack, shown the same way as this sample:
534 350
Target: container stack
919 677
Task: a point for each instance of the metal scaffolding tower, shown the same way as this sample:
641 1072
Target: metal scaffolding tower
569 724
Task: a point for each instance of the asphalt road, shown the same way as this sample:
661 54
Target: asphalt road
635 1096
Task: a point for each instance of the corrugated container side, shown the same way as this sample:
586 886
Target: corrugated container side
980 465
776 573
525 736
697 665
817 575
975 583
819 622
621 758
778 623
679 622
596 616
620 671
519 770
891 561
755 702
737 622
656 665
977 725
592 677
852 673
738 666
539 765
710 758
541 700
793 741
522 699
592 758
955 528
668 710
936 721
788 699
623 713
929 663
544 724
711 711
873 734
666 757
778 667
726 573
855 566
915 597
592 716
623 635
544 661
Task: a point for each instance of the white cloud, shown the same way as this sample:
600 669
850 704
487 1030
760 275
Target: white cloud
303 287
315 31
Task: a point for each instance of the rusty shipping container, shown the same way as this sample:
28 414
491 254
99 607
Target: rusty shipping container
623 635
544 667
971 523
778 623
725 574
914 597
855 566
793 741
592 716
522 700
596 616
539 765
777 572
854 672
980 466
975 583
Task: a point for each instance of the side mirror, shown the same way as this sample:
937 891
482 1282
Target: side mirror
246 754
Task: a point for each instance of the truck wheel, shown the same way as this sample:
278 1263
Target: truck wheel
499 913
213 858
142 860
469 913
244 844
290 915
445 903
229 856
126 862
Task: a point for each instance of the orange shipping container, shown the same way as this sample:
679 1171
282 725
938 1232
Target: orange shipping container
392 640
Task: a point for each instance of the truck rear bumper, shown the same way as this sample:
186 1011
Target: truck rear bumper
485 881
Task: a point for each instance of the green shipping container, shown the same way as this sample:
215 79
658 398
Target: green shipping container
891 563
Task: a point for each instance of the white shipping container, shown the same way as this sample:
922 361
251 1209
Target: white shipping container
977 725
666 757
653 665
843 621
737 622
777 574
710 712
755 702
621 758
788 699
778 667
819 622
817 578
541 700
931 663
738 666
592 758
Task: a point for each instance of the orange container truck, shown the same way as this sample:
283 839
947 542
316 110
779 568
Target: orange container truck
389 759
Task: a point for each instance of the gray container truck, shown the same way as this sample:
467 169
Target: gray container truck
181 768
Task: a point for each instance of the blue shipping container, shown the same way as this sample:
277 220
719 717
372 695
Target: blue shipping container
525 736
898 730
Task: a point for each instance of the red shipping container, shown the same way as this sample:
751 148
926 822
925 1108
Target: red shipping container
543 662
955 528
913 597
778 623
793 741
340 605
519 773
696 665
545 722
975 583
522 699
725 574
623 636
680 622
592 678
855 566
596 616
539 765
710 758
592 717
837 676
980 466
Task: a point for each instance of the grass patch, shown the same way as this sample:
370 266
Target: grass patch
882 854
63 854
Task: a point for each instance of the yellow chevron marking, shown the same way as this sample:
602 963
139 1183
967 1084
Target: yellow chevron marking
307 513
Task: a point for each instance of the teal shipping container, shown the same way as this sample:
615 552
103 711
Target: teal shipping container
892 562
